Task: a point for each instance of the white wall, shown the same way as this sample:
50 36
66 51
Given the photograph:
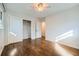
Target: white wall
38 28
1 40
26 29
35 28
61 23
13 29
2 30
33 21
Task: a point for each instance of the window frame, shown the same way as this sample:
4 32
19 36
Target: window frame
1 24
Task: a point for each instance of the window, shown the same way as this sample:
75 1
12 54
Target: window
1 25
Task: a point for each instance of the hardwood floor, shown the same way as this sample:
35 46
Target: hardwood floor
37 47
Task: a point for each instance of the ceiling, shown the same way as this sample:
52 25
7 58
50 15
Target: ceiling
28 10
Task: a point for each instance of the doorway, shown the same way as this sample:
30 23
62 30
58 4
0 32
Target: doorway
43 29
26 29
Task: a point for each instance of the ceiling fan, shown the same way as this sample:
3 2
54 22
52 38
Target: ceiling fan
40 6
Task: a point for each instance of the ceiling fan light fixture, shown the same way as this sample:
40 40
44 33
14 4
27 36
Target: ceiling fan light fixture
40 6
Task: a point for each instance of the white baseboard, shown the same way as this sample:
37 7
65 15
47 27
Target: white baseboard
70 45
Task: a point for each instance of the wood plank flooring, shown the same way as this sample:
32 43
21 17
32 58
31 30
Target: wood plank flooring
37 47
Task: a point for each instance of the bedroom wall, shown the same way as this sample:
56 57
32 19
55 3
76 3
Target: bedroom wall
36 28
13 29
61 23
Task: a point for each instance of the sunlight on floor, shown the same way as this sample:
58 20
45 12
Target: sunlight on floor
13 52
61 51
